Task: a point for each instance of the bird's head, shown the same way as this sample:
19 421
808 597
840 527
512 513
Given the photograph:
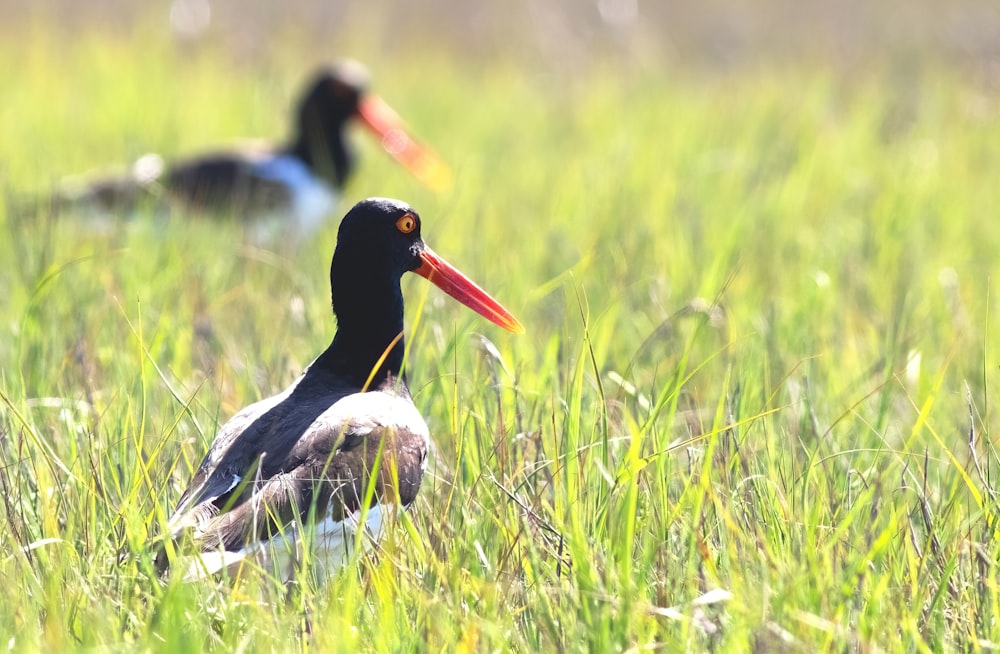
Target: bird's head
380 240
339 93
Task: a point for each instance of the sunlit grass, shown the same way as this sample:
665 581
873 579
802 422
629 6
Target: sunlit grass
758 347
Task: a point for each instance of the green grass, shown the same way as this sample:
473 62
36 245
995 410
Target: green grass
759 341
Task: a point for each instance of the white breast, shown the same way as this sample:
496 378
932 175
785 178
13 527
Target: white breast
363 413
312 199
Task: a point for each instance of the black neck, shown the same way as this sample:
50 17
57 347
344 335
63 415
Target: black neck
369 330
324 148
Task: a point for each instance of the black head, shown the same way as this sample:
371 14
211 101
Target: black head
378 242
339 94
330 101
334 93
378 239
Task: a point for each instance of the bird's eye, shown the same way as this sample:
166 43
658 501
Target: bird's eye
406 223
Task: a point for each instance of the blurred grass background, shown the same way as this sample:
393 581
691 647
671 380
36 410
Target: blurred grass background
753 244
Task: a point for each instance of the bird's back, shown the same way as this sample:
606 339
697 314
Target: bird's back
293 471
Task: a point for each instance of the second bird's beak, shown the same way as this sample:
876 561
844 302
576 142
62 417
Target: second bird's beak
391 131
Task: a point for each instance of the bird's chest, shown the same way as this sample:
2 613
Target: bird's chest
382 448
310 198
360 499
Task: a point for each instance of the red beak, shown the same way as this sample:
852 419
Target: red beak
389 127
448 278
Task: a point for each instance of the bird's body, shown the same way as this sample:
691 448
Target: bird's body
291 478
299 180
254 490
264 185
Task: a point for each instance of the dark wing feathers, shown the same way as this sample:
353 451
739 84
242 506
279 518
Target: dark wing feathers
320 486
226 181
298 456
253 444
233 455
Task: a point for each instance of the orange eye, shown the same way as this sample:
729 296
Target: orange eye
406 223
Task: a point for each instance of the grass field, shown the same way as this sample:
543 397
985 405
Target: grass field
752 409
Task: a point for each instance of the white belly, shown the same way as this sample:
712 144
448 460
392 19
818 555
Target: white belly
313 200
321 550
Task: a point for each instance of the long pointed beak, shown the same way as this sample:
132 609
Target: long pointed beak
450 280
391 131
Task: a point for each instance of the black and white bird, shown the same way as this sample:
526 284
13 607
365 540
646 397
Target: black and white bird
298 181
287 478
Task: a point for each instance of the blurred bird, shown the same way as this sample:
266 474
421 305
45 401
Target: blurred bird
299 180
293 478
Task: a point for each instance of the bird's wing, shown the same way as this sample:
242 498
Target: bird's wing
227 180
327 471
234 455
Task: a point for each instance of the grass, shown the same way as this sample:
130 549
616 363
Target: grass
752 409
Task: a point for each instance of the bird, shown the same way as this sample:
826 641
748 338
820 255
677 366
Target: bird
294 477
299 180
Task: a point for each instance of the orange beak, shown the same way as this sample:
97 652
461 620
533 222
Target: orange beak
450 280
391 131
